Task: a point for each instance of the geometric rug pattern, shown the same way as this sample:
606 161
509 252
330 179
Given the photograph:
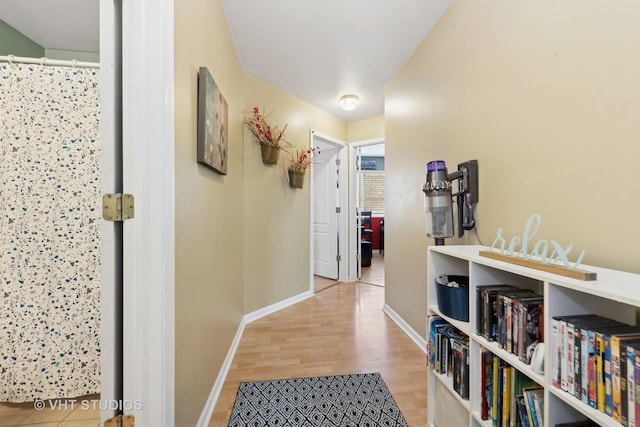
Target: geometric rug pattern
358 400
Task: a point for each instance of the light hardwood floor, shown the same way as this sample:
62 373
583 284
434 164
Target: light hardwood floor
81 411
374 274
321 283
341 330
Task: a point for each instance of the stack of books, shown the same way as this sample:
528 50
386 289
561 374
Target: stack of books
449 354
512 317
509 397
594 359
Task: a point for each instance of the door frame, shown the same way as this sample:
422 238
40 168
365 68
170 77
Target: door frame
110 182
343 180
148 145
353 202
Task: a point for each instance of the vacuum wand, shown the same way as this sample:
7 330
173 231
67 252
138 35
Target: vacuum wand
439 197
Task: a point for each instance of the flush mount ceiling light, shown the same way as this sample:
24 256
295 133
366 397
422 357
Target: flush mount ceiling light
349 102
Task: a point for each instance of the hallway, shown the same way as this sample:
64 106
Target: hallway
374 274
341 330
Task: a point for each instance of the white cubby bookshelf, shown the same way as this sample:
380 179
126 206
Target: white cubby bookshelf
614 294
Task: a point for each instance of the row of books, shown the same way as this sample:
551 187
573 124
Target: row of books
511 316
512 399
597 360
448 353
509 397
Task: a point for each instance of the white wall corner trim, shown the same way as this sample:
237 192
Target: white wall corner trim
207 412
411 333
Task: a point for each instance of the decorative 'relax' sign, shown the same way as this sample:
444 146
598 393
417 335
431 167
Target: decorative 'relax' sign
521 249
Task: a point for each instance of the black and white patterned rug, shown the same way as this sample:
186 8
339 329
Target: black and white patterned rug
359 400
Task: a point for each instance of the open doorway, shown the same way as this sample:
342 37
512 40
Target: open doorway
52 271
328 198
367 197
65 292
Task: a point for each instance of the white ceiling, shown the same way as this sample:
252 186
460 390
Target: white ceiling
316 50
322 49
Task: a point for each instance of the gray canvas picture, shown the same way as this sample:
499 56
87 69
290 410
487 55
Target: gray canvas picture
213 119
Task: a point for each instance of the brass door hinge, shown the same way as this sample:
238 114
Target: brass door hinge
121 421
117 207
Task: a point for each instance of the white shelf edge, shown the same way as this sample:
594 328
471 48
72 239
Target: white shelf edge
594 414
478 417
461 326
607 278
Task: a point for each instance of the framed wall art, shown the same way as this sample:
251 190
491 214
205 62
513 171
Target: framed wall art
213 123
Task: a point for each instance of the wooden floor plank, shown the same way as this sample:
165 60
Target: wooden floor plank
374 274
341 330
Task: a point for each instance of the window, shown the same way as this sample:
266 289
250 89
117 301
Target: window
371 197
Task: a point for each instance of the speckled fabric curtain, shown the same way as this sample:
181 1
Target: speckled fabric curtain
49 232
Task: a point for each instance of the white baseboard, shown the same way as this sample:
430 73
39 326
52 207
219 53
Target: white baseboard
207 412
411 333
248 318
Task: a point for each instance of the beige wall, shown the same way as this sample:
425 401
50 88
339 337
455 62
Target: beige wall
545 96
209 211
242 240
276 217
363 130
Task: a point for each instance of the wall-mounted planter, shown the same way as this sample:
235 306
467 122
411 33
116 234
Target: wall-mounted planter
296 179
270 154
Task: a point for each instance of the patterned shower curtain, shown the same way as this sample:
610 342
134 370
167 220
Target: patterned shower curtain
49 232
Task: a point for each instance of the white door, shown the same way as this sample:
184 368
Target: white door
325 205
